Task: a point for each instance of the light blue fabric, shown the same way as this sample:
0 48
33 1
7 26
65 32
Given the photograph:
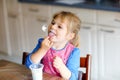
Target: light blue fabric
73 62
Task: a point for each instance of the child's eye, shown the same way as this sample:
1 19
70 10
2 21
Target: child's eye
60 27
52 22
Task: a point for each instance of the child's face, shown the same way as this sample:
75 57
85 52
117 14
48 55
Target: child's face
57 31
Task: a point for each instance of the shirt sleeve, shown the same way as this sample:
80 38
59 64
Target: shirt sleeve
73 63
28 61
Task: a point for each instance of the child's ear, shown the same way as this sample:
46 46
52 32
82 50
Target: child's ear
71 36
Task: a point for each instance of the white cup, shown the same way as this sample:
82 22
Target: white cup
37 72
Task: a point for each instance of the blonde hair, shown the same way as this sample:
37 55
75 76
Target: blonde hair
73 25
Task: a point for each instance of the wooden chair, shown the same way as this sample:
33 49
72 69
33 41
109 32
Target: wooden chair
24 57
85 63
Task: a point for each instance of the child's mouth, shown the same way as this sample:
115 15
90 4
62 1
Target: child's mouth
51 34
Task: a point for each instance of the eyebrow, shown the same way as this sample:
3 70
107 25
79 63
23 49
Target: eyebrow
61 21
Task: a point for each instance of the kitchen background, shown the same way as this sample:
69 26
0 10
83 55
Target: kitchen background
21 22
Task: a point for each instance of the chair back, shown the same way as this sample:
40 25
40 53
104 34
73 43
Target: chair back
24 57
85 63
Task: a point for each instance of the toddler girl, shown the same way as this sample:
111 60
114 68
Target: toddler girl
59 51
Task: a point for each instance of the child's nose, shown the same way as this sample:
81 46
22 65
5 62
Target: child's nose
54 26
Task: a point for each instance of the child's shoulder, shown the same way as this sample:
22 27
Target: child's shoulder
76 51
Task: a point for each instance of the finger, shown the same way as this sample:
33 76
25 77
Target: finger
51 43
46 38
57 60
55 64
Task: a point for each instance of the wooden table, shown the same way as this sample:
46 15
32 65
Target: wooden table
14 71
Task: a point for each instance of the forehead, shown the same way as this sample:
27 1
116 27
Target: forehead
61 19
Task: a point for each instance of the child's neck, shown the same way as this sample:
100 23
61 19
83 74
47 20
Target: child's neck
59 46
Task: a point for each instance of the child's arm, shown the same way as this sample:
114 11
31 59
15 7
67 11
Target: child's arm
73 63
28 61
39 54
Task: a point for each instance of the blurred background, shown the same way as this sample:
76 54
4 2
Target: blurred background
21 24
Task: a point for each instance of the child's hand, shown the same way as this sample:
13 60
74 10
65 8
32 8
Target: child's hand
46 44
58 63
61 67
